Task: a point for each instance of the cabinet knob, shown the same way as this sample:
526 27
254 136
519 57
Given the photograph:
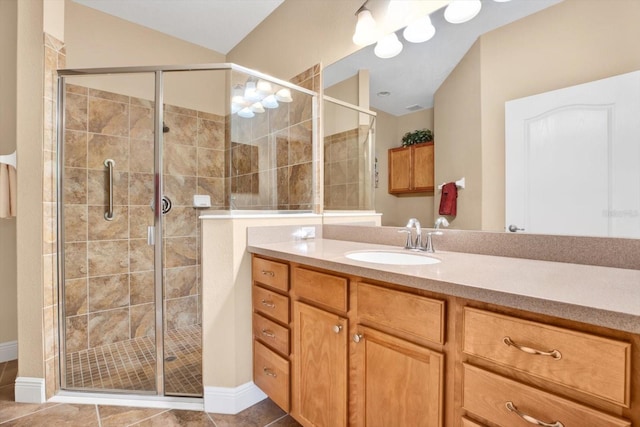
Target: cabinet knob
357 338
337 328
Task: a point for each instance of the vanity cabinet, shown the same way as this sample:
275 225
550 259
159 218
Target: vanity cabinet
579 363
369 353
320 348
411 169
271 314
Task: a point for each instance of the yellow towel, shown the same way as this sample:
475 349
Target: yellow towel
8 191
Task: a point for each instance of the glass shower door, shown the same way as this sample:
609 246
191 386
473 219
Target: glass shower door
107 281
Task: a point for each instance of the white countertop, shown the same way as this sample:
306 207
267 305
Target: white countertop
602 296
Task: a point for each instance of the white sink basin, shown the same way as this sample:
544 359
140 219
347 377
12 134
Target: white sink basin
394 258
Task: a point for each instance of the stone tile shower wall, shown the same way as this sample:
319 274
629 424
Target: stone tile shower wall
272 154
344 179
108 264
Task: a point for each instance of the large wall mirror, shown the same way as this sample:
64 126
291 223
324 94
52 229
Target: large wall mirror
509 51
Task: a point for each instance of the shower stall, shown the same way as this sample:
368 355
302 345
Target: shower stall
141 152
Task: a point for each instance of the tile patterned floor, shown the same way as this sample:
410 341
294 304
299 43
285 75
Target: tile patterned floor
263 414
130 365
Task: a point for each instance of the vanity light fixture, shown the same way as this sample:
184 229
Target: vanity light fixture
366 32
419 31
257 107
459 11
388 46
270 102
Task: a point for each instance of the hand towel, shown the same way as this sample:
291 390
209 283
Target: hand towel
448 199
8 191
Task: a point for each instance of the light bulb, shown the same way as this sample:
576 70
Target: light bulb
257 107
264 88
246 113
251 93
270 102
419 31
284 95
459 11
388 46
366 32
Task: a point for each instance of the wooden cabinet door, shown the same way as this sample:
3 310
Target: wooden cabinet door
423 167
397 383
399 170
319 388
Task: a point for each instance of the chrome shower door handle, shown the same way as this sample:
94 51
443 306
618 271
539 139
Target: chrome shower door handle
109 163
151 235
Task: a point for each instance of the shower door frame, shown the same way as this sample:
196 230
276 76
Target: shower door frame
158 141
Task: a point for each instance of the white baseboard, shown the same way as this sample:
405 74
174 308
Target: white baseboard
225 400
8 351
131 400
30 390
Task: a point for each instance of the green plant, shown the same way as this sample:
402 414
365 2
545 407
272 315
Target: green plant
417 137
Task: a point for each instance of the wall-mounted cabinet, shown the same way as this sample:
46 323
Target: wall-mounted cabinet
411 169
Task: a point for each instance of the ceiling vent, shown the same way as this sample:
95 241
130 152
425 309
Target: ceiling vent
414 107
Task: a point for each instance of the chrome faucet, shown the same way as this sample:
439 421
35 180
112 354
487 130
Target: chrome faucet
441 221
411 244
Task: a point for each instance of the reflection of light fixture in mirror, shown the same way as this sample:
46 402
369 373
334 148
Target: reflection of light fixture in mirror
419 31
264 88
366 32
257 107
246 113
388 46
238 95
459 11
270 102
284 95
235 107
251 93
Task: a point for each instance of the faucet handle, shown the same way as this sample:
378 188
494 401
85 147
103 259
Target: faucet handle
408 244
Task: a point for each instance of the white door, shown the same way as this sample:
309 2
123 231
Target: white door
573 160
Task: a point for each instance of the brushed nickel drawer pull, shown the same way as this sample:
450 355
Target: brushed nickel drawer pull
528 418
555 354
269 304
269 372
268 273
268 333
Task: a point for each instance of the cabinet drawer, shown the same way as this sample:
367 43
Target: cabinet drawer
322 288
466 422
271 303
487 395
270 273
271 374
272 334
401 311
594 365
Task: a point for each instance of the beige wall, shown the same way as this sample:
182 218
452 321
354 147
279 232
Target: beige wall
336 117
574 42
96 39
29 135
8 288
396 210
458 141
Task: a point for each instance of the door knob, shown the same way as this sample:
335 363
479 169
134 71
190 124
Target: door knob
513 228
